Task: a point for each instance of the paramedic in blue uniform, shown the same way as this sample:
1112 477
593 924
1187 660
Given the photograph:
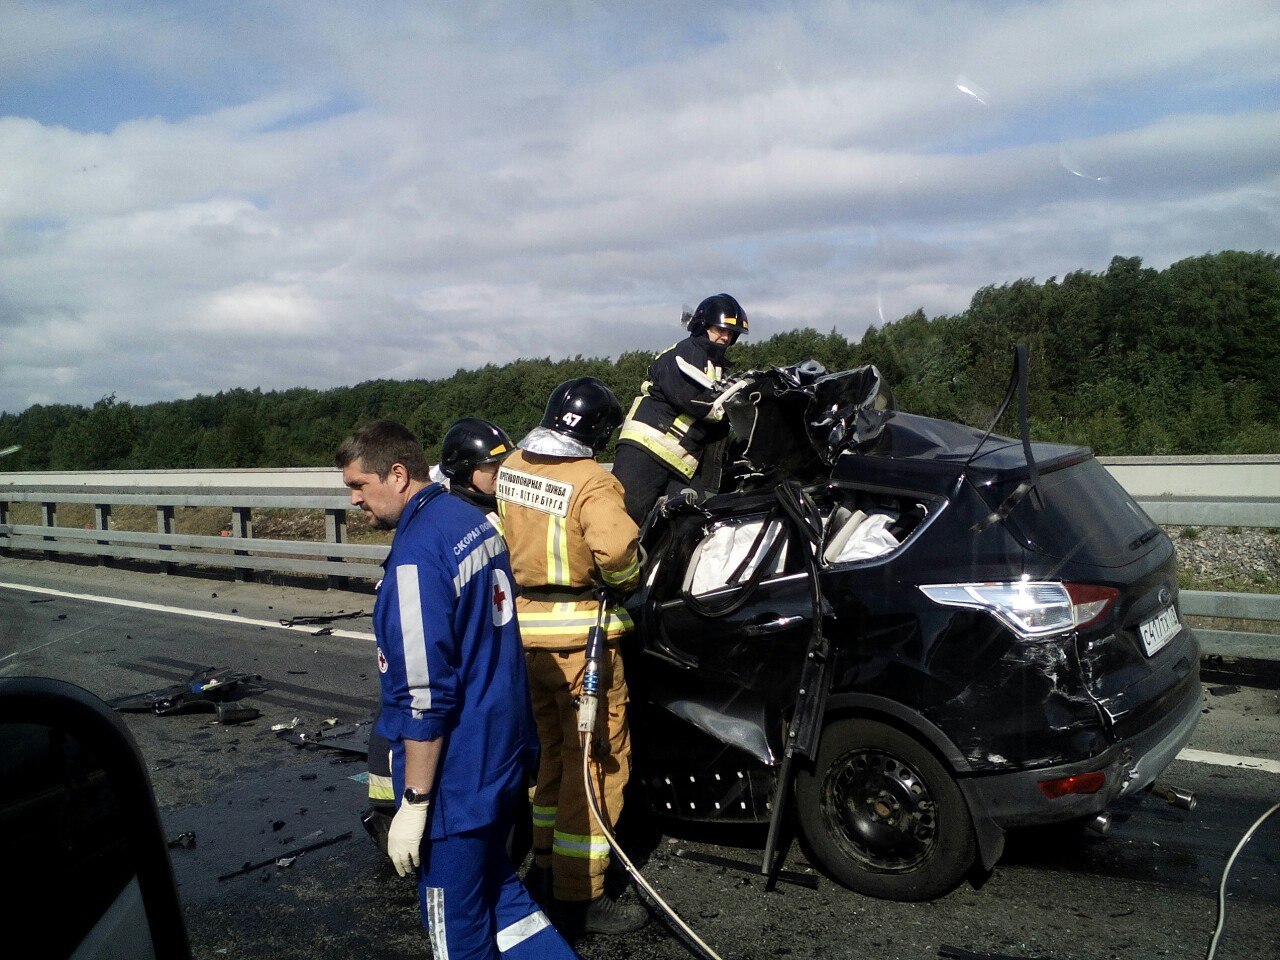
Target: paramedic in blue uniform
470 454
455 702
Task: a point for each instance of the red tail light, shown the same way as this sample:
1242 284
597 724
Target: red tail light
1079 783
1090 602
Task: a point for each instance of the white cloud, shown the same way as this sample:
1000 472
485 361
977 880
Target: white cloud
404 189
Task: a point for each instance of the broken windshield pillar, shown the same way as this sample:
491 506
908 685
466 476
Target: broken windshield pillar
848 410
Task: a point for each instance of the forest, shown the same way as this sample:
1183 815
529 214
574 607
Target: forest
1129 360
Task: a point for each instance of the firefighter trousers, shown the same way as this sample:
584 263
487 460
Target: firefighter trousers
566 836
644 479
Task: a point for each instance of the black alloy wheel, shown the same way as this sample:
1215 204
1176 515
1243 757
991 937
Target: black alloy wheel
883 815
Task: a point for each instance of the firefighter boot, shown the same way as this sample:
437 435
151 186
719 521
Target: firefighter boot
538 882
611 917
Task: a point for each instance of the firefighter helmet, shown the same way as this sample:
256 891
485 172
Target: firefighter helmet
719 311
469 443
585 410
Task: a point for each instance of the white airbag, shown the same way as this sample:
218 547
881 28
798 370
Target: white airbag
724 549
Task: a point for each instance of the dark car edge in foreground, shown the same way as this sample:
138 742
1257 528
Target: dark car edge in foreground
998 639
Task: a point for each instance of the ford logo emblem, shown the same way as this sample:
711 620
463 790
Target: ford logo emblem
1166 597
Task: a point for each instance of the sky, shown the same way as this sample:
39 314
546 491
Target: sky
228 193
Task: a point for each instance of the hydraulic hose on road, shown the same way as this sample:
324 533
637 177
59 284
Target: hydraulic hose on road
588 705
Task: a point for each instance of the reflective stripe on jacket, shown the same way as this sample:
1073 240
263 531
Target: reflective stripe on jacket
565 526
450 659
671 417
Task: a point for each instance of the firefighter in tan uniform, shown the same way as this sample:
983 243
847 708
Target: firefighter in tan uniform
567 529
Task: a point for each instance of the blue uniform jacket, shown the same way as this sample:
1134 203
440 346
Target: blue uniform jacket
451 661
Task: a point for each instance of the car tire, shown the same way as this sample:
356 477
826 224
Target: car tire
882 814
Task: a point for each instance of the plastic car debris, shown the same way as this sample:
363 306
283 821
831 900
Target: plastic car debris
353 738
277 727
376 823
212 689
229 713
183 841
317 621
290 855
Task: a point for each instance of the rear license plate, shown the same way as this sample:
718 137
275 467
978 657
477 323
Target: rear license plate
1159 630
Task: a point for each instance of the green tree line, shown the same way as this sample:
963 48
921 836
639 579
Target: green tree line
1130 360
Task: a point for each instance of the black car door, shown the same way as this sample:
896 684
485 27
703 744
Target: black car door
720 619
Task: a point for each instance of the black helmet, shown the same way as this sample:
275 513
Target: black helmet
584 409
469 443
719 311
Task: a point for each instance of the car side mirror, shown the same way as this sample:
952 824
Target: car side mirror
80 835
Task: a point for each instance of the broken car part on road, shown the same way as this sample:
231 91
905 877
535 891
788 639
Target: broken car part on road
212 689
352 738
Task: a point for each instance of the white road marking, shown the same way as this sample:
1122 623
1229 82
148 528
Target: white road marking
309 630
1188 754
1229 760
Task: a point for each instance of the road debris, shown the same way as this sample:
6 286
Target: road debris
212 689
352 738
323 619
290 855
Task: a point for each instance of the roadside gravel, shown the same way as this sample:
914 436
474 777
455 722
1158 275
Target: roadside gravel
1228 558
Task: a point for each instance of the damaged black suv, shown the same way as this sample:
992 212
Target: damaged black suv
914 634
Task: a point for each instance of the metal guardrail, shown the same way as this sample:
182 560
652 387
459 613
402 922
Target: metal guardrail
1198 491
1208 491
1257 607
240 550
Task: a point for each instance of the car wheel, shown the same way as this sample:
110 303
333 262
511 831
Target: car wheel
883 815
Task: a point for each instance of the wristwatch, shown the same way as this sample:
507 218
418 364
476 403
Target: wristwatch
416 798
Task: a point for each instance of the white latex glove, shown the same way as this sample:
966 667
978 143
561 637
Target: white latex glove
405 836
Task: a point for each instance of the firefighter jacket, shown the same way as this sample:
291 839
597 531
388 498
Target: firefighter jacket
450 659
567 528
671 419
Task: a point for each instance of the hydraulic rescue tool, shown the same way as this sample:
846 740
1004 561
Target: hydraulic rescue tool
588 705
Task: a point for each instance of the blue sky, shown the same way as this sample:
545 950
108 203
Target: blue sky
199 196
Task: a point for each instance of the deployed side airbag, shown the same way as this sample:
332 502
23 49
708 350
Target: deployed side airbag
723 552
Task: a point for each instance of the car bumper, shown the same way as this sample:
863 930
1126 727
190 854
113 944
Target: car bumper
1016 800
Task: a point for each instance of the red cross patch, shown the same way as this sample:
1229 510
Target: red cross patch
503 600
382 661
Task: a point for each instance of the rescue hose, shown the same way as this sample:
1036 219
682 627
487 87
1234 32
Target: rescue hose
587 709
1222 887
695 943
